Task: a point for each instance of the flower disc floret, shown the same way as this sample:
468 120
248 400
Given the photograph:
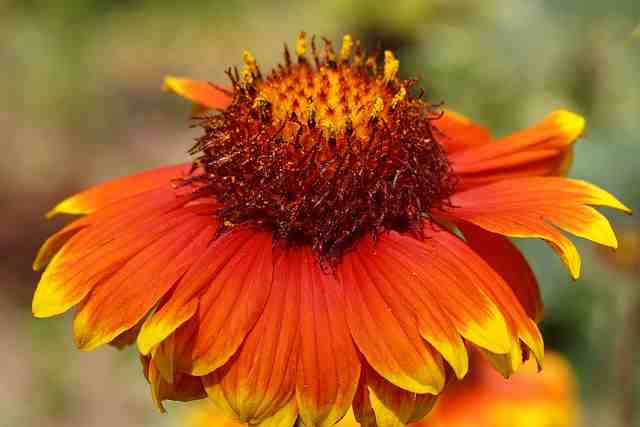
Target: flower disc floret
323 151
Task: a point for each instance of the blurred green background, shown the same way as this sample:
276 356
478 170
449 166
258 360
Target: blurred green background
81 102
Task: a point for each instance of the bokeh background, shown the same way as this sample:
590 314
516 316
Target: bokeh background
80 102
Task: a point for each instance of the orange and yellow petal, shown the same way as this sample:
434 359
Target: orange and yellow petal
260 379
397 274
206 414
126 338
439 289
318 374
542 150
379 403
109 215
389 339
54 243
202 93
232 279
328 363
540 207
495 249
285 417
117 206
232 303
122 300
94 253
103 194
456 132
184 388
522 329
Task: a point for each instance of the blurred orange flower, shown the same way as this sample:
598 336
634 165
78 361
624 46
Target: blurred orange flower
307 260
528 399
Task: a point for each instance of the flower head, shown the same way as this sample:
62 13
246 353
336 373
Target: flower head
323 154
334 243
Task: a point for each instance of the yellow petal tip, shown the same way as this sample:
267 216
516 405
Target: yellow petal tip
146 342
49 300
52 213
41 310
171 83
571 124
71 206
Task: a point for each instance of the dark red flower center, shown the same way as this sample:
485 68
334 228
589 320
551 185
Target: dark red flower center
322 151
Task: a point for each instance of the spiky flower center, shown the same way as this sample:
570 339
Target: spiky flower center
322 151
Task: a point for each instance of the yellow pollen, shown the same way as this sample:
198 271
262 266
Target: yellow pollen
347 45
378 107
339 93
301 45
260 102
247 75
391 66
399 97
329 128
250 62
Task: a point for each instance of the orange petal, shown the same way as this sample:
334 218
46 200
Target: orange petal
173 354
199 92
206 414
526 207
222 272
73 272
522 326
56 242
126 338
103 194
456 132
362 410
443 250
185 388
285 417
399 281
381 404
125 219
232 303
127 216
111 219
122 300
328 365
495 249
542 150
419 269
212 417
389 340
260 379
